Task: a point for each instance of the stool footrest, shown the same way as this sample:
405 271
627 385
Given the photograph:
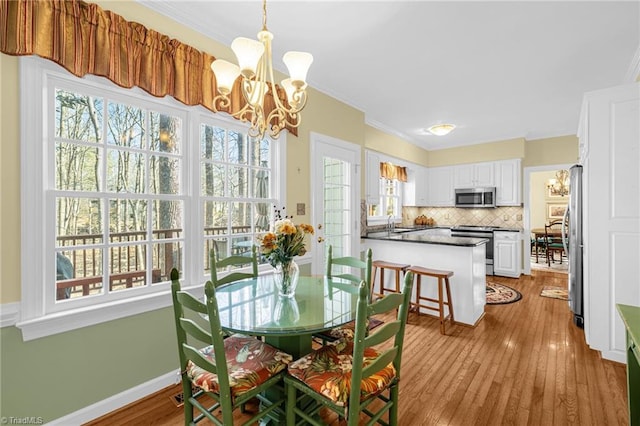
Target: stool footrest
443 281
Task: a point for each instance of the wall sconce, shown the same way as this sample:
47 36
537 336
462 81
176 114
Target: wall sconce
559 186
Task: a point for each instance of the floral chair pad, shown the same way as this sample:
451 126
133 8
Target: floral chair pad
348 331
250 362
328 372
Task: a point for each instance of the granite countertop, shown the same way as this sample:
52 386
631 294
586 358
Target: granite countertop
427 239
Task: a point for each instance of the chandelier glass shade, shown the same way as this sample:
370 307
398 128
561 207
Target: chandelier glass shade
269 108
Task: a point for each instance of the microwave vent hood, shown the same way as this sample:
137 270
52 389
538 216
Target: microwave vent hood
474 198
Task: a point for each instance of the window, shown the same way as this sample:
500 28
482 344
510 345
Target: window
130 186
390 200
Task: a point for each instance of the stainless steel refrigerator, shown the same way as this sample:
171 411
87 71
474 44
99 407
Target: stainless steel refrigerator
572 240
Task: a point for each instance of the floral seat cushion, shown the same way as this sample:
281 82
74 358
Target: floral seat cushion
348 331
250 362
328 372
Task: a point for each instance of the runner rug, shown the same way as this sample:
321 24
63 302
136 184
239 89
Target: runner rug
555 292
499 294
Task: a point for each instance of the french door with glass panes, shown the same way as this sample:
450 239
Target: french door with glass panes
335 189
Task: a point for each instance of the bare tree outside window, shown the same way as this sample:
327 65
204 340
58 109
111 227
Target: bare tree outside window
115 163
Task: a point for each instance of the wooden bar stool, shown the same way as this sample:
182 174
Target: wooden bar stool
443 277
382 265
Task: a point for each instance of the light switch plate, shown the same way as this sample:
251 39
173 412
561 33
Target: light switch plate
300 209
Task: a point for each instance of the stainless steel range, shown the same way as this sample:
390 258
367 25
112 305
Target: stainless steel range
478 232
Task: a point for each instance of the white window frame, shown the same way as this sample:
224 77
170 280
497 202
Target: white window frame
382 219
37 317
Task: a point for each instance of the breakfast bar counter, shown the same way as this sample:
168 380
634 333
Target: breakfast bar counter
465 257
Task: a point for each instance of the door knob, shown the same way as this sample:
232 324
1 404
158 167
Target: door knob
320 239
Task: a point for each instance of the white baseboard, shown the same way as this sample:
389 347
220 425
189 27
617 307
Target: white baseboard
114 402
9 313
615 355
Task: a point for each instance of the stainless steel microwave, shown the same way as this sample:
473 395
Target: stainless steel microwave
476 197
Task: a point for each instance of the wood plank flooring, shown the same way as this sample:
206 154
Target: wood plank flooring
524 364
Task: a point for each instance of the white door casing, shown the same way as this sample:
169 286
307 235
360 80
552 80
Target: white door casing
335 198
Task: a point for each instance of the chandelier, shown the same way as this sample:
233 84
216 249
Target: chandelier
560 184
256 69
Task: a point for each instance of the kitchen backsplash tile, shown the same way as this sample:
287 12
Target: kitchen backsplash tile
508 217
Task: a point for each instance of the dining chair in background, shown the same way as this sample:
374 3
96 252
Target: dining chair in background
553 242
230 371
216 263
343 268
347 376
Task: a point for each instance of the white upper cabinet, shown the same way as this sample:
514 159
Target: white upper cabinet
507 182
415 188
473 175
440 187
372 173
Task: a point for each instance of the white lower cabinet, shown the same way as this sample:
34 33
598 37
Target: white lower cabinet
507 254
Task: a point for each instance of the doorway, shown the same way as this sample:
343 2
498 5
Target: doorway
335 198
537 202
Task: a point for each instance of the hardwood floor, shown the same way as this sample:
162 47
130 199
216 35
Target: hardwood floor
524 364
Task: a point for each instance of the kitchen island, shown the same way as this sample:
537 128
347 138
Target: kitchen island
464 256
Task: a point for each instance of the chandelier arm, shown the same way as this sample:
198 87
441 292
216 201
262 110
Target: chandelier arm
263 116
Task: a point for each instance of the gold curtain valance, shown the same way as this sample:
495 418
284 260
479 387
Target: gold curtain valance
85 39
390 171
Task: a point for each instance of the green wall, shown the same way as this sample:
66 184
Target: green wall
56 375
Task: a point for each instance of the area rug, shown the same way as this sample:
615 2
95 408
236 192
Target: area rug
561 268
555 292
499 294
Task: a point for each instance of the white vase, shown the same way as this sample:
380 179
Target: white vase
285 277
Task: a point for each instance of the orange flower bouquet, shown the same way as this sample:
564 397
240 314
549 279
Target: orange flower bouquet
280 246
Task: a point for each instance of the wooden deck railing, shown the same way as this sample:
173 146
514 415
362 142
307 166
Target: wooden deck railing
127 263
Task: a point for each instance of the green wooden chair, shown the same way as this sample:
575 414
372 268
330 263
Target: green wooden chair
216 263
230 371
335 268
347 376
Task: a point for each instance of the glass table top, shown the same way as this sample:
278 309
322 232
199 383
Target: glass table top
253 306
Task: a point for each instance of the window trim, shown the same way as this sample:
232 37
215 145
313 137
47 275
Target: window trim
35 321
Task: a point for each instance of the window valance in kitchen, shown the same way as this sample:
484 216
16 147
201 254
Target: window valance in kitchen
390 171
85 39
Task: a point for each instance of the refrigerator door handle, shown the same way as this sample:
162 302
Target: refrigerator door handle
565 228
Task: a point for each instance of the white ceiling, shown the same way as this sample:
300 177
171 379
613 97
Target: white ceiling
498 70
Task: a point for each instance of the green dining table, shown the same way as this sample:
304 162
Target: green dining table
253 307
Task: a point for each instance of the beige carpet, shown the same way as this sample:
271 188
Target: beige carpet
555 292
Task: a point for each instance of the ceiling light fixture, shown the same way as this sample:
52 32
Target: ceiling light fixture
256 68
441 129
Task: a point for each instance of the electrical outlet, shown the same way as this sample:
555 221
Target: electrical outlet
300 209
518 217
506 217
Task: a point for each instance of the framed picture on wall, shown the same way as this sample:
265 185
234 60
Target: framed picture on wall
556 211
